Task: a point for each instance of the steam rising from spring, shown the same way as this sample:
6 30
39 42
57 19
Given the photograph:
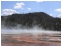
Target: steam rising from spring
17 30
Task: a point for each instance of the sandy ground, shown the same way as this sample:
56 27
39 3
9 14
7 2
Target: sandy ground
28 39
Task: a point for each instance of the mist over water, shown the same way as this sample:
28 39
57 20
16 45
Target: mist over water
18 30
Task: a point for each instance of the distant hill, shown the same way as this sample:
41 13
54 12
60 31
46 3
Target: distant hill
30 20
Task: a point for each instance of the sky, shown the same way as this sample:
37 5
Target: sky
53 8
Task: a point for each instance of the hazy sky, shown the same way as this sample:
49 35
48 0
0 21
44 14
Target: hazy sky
50 7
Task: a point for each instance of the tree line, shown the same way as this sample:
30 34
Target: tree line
29 20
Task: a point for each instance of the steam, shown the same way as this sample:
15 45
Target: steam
18 30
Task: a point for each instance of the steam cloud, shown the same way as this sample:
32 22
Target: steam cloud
17 30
